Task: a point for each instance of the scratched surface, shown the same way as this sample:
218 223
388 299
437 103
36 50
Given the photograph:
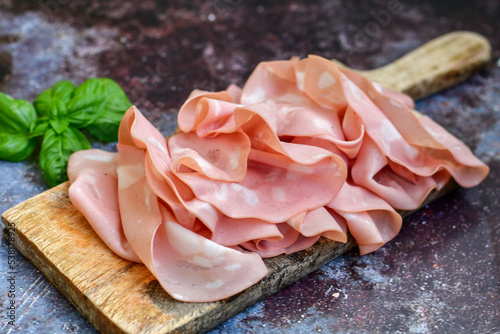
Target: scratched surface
441 274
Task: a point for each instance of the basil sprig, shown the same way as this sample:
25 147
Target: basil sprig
58 114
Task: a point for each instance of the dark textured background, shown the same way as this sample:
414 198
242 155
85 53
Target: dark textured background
440 275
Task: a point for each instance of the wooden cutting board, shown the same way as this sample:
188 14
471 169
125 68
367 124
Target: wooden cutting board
118 296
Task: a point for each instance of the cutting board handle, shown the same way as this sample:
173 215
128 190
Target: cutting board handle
436 65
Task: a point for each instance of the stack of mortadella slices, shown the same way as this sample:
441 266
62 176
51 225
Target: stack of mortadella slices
304 150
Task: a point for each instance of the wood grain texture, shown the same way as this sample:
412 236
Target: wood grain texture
118 296
436 65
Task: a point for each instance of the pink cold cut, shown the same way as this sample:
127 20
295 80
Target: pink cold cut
305 150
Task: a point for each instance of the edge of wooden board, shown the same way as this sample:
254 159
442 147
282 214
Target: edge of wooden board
128 299
436 65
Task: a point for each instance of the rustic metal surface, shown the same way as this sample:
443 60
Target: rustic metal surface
441 274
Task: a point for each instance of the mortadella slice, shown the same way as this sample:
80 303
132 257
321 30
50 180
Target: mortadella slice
93 191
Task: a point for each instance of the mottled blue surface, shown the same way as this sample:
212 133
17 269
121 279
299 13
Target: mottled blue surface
440 274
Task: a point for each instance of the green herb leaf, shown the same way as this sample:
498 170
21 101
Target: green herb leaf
84 109
106 127
59 125
15 115
63 90
15 146
98 105
55 152
39 127
57 115
16 119
57 108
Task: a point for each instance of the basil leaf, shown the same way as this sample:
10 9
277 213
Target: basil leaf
98 86
39 127
57 108
57 115
55 152
63 90
42 102
84 110
106 127
16 119
15 115
16 146
59 125
98 105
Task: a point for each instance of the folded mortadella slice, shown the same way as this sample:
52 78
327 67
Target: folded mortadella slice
192 113
137 131
371 171
468 170
195 269
222 158
371 220
93 192
139 208
321 222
